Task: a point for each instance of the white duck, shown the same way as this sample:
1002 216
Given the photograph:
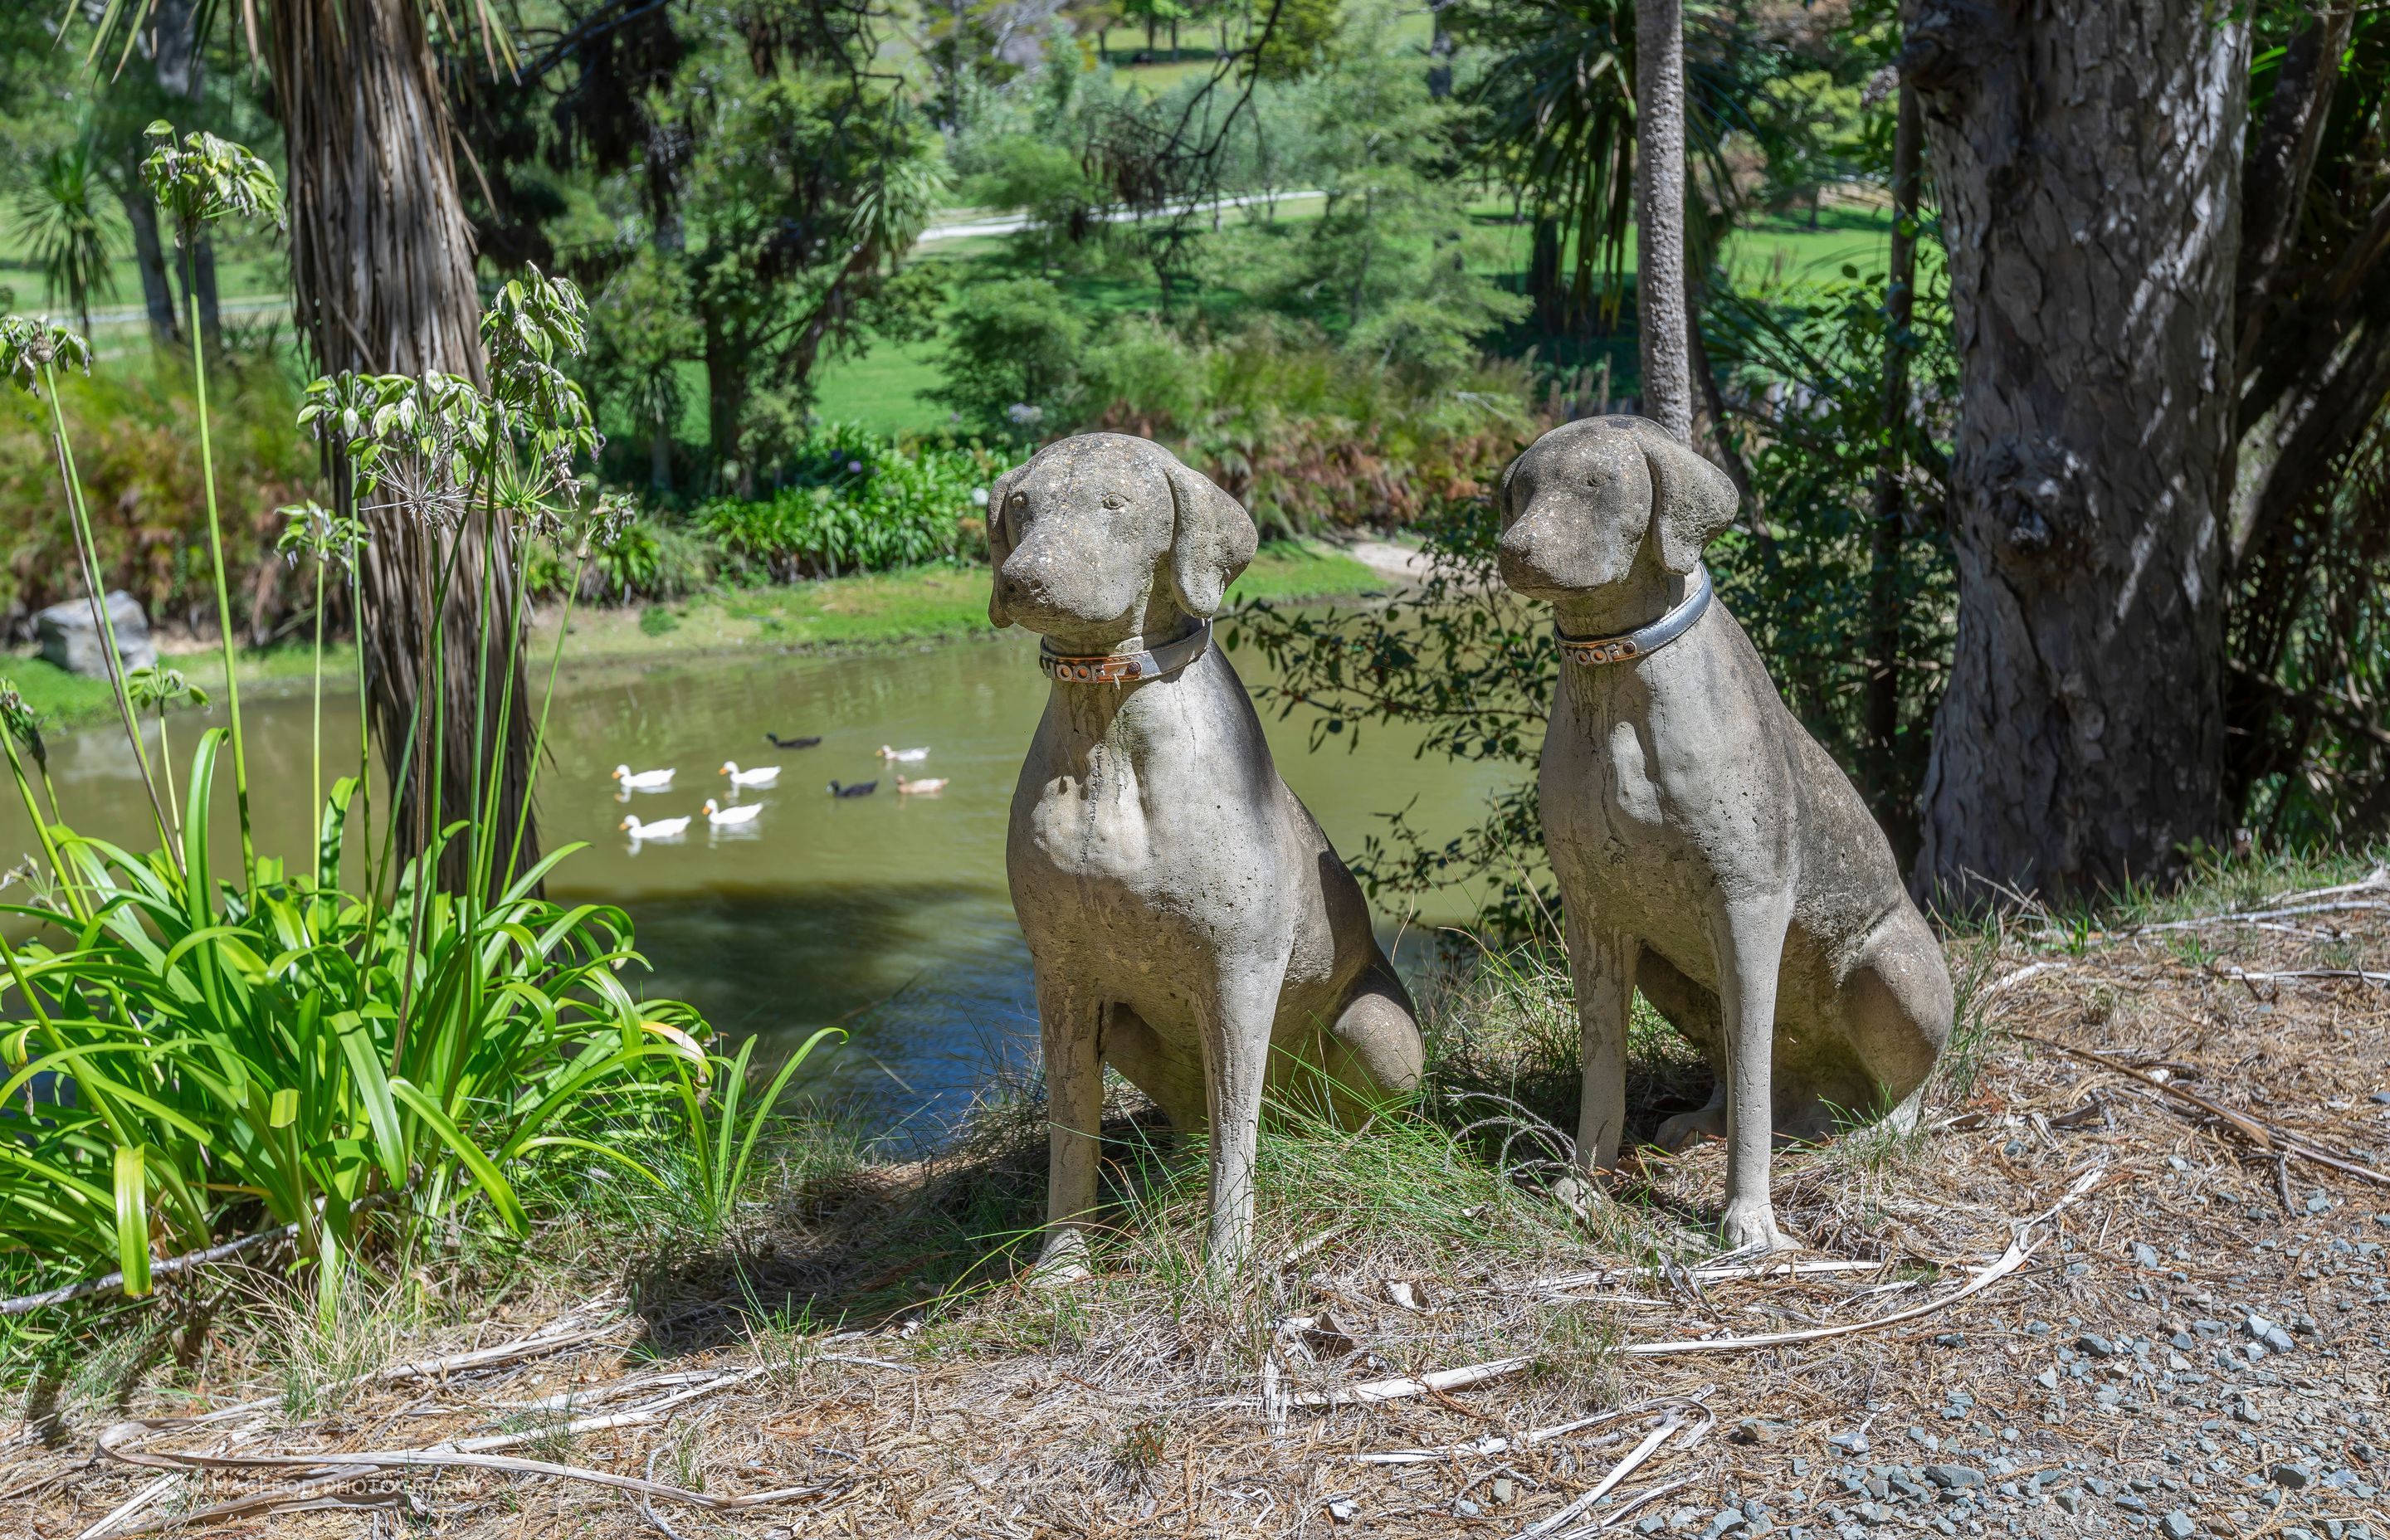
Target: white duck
642 780
762 775
929 788
662 828
724 817
903 756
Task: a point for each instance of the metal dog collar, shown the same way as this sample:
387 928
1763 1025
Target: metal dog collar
1121 668
1643 640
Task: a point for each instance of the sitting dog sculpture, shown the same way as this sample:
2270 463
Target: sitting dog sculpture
1708 851
1188 923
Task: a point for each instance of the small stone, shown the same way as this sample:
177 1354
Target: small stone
1727 1518
2292 1475
1753 1430
2131 1504
2177 1526
71 635
1463 1508
1952 1478
2072 1502
1504 1489
1853 1443
1344 1511
2145 1254
2096 1346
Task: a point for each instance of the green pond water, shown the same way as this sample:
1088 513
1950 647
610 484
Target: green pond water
882 914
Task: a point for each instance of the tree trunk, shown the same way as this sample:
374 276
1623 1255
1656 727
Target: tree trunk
149 256
1546 286
200 278
382 271
659 451
2087 153
726 403
1439 51
1896 811
1660 214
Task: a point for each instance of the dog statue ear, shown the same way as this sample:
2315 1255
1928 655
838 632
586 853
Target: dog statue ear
1503 512
1000 536
1693 501
1211 542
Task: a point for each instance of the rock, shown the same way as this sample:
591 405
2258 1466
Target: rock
2145 1254
1952 1478
1753 1430
71 635
1853 1443
2292 1475
2072 1502
2177 1526
1344 1511
2267 1334
2097 1345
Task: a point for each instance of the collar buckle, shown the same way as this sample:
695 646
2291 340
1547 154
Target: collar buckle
1122 667
1641 642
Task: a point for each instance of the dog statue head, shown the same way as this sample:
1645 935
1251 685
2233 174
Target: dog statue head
1105 536
1578 506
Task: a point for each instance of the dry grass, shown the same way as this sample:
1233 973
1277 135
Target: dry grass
873 1346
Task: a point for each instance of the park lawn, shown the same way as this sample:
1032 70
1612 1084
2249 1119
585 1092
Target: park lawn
885 388
922 604
60 698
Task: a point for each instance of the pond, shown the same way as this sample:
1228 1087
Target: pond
884 914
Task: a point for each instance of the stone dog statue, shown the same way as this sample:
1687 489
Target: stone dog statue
1188 923
1708 851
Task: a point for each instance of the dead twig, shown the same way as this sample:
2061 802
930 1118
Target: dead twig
2268 1138
113 1442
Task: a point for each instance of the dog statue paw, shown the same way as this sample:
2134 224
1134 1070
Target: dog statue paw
1188 924
1709 853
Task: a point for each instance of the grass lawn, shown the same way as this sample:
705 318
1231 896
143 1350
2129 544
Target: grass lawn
1777 254
919 605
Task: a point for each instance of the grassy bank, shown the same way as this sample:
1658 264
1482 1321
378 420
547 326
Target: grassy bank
924 604
861 1342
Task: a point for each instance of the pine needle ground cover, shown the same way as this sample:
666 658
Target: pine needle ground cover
2127 1277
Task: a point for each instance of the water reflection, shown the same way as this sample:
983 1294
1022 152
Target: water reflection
884 914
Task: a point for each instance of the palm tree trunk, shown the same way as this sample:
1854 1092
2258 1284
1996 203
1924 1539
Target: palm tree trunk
1660 214
382 278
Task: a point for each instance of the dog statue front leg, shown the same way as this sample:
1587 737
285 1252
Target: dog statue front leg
1602 965
1236 1065
1070 1020
1749 938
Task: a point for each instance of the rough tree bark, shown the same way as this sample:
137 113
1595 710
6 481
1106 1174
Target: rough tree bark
381 270
2088 153
1660 214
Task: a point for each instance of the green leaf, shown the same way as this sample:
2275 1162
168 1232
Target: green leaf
132 1219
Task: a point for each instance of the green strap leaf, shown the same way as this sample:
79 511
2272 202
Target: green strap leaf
485 1175
133 1220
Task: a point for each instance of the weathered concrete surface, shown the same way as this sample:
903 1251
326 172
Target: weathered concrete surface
70 635
1190 923
1708 851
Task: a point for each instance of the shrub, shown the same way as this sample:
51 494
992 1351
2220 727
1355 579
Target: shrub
134 429
859 504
